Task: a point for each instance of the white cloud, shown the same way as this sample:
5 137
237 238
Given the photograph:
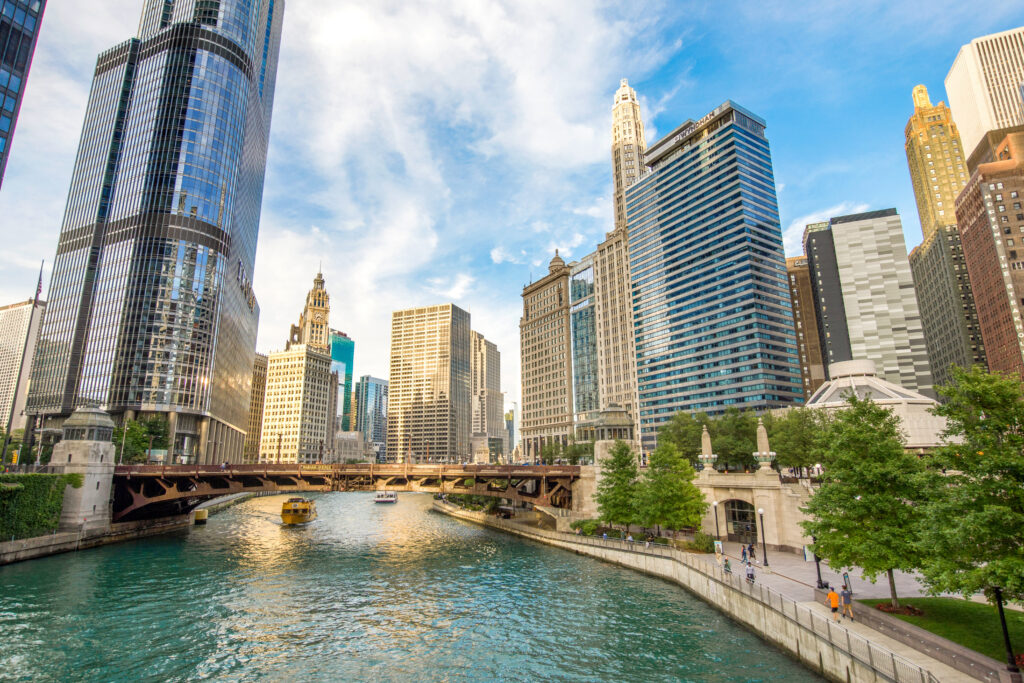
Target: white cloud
793 236
454 289
501 255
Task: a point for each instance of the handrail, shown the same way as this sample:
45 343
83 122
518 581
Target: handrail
899 669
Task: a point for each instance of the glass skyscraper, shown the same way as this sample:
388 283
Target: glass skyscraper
343 350
582 322
372 413
711 308
151 307
19 28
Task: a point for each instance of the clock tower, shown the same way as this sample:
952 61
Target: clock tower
313 329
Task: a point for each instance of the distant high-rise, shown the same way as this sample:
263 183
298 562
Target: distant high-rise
298 411
545 347
510 427
19 329
151 307
485 389
628 146
812 369
429 385
991 222
864 297
19 28
258 394
371 399
984 84
343 351
583 329
711 306
313 328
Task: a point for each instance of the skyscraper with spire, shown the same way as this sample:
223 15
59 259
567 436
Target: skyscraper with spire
628 146
151 308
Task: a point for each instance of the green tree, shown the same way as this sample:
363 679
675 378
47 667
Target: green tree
734 438
131 445
974 538
550 452
156 426
577 452
618 491
683 431
668 497
797 437
864 515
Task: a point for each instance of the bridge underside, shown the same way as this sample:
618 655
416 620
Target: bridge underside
152 492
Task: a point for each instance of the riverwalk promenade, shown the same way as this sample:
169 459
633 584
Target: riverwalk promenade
780 606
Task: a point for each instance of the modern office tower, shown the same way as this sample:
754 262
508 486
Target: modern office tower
583 331
429 385
812 369
712 312
628 146
864 297
991 221
343 351
258 394
371 399
510 427
938 170
151 308
19 329
545 347
984 83
19 28
314 326
937 162
485 389
300 406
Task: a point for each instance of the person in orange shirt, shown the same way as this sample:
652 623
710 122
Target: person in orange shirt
832 600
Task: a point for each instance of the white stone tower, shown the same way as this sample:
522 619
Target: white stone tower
86 449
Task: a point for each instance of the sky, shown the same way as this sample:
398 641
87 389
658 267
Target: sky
440 151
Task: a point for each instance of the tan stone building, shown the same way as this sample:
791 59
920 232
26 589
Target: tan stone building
628 146
805 320
545 342
487 400
429 411
251 447
18 323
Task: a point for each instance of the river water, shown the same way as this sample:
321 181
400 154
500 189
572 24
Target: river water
366 592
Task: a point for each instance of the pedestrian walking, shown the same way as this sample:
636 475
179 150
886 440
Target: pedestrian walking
847 597
743 555
832 602
727 567
750 551
629 538
750 574
605 535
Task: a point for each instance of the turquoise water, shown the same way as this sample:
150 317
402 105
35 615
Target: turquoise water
367 592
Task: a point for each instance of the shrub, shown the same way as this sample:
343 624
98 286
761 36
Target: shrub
701 543
588 527
33 506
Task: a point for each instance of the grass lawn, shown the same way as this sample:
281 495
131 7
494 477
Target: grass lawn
973 625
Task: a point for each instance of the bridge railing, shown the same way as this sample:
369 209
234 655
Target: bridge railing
885 662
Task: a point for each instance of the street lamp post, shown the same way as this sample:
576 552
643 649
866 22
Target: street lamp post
764 545
718 535
817 566
1011 663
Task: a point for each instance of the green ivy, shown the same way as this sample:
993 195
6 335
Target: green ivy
32 506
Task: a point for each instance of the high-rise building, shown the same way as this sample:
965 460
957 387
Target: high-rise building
991 222
429 385
485 388
711 307
151 307
371 399
583 330
812 369
343 351
545 347
19 329
628 146
258 394
938 170
984 84
313 328
937 162
864 297
510 427
19 28
299 408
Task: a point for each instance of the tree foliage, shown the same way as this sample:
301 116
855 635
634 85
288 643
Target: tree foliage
975 538
668 497
135 439
618 490
683 432
797 437
734 438
550 452
864 515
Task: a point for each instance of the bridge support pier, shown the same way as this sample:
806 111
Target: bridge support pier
86 449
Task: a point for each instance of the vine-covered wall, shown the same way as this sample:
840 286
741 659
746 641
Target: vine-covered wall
30 504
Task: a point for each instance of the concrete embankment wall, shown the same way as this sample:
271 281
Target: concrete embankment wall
69 541
821 645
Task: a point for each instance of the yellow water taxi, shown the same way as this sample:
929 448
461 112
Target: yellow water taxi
298 511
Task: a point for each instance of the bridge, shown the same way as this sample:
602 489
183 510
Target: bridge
143 492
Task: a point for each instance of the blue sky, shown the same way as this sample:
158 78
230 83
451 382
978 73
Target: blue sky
440 151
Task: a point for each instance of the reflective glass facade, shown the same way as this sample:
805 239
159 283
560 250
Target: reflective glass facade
152 300
711 307
19 28
582 320
343 350
372 413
